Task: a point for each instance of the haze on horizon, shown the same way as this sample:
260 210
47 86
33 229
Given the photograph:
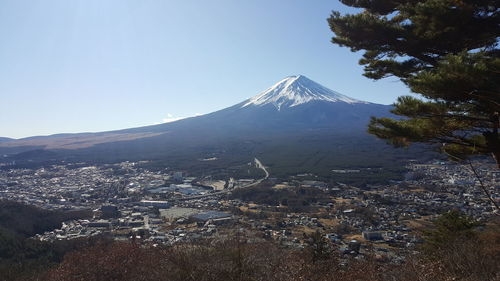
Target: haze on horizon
91 65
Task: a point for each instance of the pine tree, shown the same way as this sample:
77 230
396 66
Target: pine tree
451 227
444 50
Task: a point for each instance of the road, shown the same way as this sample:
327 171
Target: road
260 166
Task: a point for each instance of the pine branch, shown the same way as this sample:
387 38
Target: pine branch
485 190
481 184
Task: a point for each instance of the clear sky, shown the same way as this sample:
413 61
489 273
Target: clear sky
95 65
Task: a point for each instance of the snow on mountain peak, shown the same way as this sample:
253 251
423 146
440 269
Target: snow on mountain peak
295 90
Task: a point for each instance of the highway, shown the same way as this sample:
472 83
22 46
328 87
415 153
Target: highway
260 166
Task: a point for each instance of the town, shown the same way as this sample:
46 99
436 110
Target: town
126 201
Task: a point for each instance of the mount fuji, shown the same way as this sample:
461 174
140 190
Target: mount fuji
298 103
296 90
297 125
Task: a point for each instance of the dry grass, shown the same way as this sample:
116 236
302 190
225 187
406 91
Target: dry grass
238 260
77 141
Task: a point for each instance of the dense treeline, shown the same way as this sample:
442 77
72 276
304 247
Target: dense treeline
21 256
296 199
24 258
284 157
25 220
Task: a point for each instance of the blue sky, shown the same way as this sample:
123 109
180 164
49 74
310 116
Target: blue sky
95 65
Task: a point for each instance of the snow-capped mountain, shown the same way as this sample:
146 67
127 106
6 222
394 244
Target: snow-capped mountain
298 103
297 90
293 103
295 120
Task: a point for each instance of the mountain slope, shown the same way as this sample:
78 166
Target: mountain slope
295 102
295 126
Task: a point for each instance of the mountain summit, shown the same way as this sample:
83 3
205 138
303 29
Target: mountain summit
296 90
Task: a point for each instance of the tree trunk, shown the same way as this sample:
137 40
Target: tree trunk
493 138
496 156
